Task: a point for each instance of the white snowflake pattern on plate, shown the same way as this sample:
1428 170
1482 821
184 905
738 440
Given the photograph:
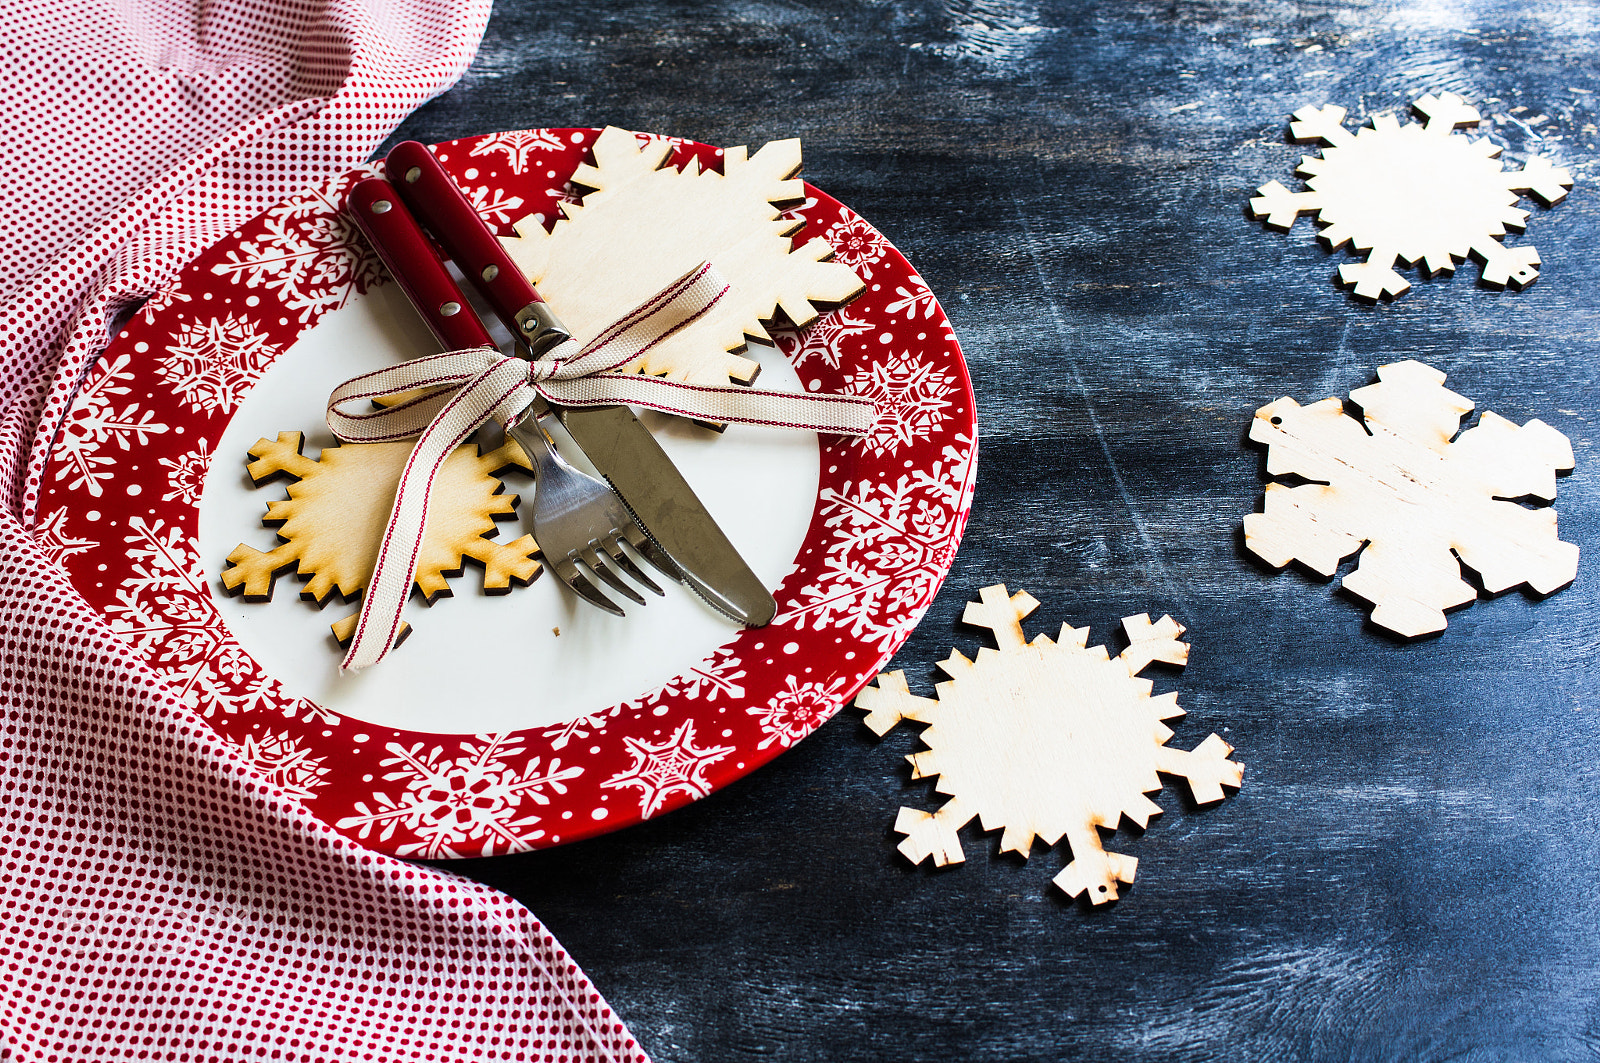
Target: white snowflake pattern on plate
915 300
567 193
284 761
910 395
662 769
163 297
798 710
580 728
517 145
856 243
662 138
186 475
95 421
823 339
53 539
889 545
717 678
493 205
452 802
211 365
165 610
312 258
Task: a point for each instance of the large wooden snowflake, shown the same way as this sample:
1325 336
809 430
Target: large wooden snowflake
331 524
1045 739
1412 193
644 226
1422 504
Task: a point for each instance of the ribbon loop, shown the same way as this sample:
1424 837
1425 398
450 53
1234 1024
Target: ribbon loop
460 391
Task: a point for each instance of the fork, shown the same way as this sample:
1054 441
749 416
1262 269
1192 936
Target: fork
579 522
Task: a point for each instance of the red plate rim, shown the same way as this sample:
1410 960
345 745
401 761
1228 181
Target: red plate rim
120 514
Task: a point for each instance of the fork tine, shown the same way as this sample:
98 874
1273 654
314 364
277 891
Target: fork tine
652 553
593 558
582 521
615 554
573 577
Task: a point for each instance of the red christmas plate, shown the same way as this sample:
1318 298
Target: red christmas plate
523 721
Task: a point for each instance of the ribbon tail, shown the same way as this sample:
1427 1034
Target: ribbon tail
419 380
498 391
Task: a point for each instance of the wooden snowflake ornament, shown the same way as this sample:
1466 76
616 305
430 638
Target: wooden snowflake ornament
645 225
1412 193
1422 505
329 526
1046 739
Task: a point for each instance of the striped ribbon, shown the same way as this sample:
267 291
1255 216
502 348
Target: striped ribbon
463 390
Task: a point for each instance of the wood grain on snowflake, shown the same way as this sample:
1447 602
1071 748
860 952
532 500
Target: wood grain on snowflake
331 523
1421 504
644 225
1412 193
1043 739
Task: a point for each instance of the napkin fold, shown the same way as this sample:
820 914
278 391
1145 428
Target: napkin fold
158 899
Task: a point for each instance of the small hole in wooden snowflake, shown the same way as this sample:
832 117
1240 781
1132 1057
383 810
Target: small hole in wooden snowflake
1046 739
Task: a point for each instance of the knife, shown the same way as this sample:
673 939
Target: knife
619 447
394 234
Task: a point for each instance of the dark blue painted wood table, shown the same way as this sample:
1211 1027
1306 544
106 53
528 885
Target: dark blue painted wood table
1410 871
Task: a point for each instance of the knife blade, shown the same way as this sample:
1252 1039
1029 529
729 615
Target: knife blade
619 447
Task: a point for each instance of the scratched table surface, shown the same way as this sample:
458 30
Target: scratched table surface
1411 870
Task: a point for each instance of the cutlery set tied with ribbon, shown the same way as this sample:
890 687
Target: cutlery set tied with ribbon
579 522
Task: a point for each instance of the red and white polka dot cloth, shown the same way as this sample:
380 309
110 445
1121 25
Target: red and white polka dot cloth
157 901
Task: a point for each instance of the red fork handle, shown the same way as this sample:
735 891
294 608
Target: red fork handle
440 205
381 214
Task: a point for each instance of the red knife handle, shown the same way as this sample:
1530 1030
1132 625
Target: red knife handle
381 214
440 205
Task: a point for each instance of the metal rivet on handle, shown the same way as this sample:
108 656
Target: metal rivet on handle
450 309
381 206
413 175
491 272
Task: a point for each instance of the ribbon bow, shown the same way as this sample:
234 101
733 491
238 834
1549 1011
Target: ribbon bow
463 390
